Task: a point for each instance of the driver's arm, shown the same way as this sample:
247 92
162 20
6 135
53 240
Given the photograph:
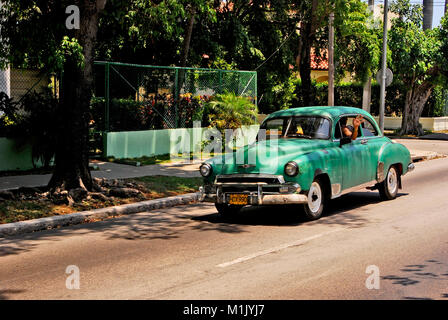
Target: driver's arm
347 132
356 123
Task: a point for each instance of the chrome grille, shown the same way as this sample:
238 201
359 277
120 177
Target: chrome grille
249 182
251 178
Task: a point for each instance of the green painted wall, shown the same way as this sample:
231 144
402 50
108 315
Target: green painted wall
134 144
14 157
131 144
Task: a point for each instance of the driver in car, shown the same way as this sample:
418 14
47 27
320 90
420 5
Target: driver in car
351 131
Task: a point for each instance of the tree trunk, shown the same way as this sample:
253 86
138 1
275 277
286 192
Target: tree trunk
186 46
428 7
72 152
187 40
184 57
303 60
414 104
305 69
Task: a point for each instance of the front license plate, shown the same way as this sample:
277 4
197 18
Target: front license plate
238 199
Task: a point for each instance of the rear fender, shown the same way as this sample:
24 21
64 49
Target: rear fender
393 154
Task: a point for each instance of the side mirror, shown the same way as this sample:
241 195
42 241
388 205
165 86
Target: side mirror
345 140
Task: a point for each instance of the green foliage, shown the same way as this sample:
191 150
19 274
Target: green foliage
284 93
358 44
152 113
147 32
412 50
437 105
350 94
34 35
417 56
229 111
238 35
33 120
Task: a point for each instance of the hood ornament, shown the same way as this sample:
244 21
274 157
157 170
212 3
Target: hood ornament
245 166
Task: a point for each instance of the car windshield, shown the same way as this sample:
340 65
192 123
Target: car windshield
302 127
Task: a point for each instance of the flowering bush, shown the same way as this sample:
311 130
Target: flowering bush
160 111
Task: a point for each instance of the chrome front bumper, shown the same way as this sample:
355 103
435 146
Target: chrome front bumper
258 197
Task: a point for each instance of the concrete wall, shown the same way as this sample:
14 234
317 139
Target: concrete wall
13 157
134 144
428 123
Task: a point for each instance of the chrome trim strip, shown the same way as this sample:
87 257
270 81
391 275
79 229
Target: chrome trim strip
355 188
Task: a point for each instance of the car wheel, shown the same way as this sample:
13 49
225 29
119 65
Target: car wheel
389 187
316 201
225 209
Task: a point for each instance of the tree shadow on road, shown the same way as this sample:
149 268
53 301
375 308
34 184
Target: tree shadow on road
419 273
348 210
5 294
170 223
161 224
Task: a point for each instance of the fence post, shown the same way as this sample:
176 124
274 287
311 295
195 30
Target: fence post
107 106
176 100
256 91
219 81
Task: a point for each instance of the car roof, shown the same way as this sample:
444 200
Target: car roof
328 111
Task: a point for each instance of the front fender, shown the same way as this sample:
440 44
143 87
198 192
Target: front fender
311 165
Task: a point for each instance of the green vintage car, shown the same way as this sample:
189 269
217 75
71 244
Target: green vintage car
301 156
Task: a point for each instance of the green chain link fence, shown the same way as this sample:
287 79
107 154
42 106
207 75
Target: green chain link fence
130 97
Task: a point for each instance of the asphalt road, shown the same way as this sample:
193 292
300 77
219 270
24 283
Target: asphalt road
188 252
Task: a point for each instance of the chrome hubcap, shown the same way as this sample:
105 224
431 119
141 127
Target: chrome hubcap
392 181
314 197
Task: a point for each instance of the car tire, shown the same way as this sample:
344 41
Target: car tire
225 209
316 201
389 187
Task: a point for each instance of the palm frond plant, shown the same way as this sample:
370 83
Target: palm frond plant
229 111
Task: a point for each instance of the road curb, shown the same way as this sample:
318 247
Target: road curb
428 156
10 229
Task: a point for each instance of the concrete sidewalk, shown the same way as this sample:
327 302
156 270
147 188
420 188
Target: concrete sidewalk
120 171
109 171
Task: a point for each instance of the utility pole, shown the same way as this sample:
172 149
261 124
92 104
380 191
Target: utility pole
5 76
428 13
367 90
383 68
331 60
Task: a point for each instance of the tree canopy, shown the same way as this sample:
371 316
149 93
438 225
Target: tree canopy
419 59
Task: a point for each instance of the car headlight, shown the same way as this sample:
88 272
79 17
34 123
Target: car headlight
291 169
205 169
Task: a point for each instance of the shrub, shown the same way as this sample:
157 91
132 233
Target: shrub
229 111
32 120
158 112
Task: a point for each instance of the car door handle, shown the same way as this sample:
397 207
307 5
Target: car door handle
364 141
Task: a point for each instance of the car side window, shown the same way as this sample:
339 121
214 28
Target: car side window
368 129
349 123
